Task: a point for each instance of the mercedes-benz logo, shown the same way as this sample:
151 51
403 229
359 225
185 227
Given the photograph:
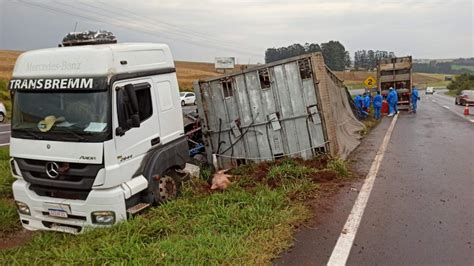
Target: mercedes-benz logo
52 169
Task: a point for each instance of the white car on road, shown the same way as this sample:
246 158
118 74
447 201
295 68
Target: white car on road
187 98
3 112
430 90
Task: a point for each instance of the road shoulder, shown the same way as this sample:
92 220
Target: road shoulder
315 242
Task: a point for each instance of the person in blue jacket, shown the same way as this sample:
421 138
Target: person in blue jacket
414 98
367 102
392 99
359 102
377 105
395 102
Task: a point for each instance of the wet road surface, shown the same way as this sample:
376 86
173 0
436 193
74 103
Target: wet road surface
421 209
4 135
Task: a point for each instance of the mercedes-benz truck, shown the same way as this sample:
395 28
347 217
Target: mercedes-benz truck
96 134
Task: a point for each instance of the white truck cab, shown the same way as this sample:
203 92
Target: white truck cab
96 134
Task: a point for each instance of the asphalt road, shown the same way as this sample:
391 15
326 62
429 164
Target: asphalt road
4 134
421 209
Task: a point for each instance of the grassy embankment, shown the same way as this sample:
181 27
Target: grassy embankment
8 216
355 80
460 83
250 223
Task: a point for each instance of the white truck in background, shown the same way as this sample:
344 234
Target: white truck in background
96 134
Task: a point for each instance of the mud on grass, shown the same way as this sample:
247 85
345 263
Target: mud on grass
250 223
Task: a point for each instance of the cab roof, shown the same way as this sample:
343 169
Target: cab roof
93 60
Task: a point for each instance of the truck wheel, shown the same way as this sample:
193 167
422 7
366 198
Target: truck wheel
166 187
2 117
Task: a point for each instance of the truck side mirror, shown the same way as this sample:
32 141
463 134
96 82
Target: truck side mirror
135 118
132 97
128 109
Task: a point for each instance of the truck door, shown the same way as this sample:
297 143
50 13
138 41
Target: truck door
133 143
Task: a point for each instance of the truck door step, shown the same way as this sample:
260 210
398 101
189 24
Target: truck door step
138 208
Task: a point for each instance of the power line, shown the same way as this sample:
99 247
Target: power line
120 24
182 33
154 21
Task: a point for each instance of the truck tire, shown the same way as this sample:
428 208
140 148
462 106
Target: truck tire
165 187
2 117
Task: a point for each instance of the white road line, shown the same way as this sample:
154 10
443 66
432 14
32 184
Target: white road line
341 251
5 132
5 125
5 144
456 112
447 107
472 120
433 101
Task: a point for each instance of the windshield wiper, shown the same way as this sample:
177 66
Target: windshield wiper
79 137
29 132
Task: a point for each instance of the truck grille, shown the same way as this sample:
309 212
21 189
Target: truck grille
74 180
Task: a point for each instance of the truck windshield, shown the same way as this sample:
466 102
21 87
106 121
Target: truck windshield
61 115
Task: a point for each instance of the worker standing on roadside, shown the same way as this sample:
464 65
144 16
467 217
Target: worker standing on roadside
359 102
367 102
414 98
392 100
377 105
395 104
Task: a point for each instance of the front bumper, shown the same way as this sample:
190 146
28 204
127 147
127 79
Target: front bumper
79 211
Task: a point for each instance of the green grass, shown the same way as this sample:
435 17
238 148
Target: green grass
355 86
339 166
438 84
460 67
249 223
9 218
6 179
288 169
452 93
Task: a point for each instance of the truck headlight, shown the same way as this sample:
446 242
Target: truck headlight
22 208
103 217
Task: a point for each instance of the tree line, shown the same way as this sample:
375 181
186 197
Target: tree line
457 66
335 55
463 82
367 59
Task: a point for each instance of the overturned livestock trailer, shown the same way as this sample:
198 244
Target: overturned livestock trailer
290 108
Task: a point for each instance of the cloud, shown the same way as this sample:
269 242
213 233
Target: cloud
201 30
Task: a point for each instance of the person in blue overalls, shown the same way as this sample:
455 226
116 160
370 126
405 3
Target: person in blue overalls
414 99
367 101
359 102
377 105
392 99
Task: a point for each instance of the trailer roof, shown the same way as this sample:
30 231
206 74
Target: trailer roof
262 66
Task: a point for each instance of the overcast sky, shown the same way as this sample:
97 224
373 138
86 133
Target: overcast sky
199 30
